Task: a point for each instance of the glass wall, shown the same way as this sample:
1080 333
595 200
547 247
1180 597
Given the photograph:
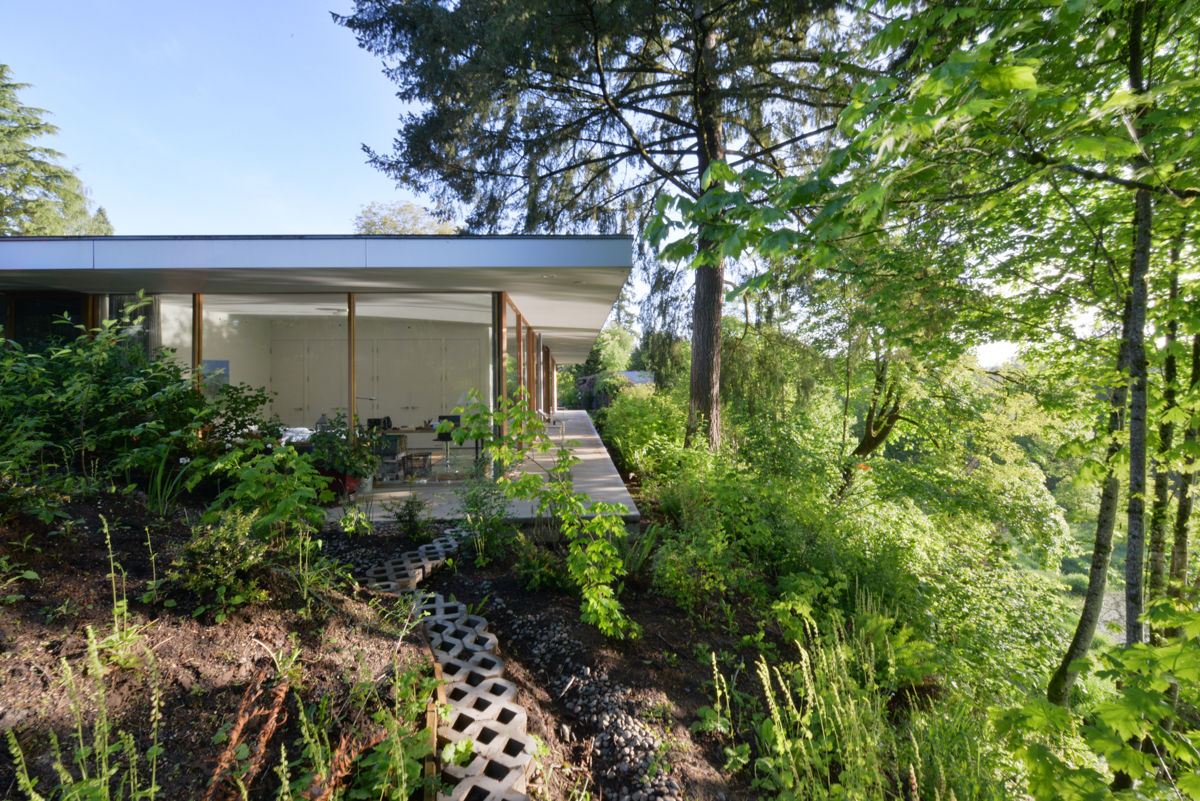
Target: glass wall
292 345
417 355
171 326
37 317
420 355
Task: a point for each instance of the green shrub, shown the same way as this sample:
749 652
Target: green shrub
391 768
104 407
278 486
833 729
539 568
1146 730
97 397
646 431
793 446
412 516
239 411
342 450
224 564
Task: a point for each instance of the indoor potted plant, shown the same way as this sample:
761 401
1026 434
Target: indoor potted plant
345 454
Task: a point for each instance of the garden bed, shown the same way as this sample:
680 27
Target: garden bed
197 670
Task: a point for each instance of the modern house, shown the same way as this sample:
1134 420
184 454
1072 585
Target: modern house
374 326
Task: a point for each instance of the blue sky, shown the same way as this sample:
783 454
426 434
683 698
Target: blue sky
214 117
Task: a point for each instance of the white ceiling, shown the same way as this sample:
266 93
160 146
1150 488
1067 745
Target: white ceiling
564 286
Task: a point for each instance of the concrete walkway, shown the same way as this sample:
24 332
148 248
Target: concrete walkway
594 475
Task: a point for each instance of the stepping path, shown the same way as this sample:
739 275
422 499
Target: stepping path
482 702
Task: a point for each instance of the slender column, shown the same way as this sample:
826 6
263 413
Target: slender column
91 312
197 333
351 360
520 339
530 369
537 371
546 376
553 385
501 333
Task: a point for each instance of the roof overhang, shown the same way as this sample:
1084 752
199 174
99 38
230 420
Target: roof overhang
565 286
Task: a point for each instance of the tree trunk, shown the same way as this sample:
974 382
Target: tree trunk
1138 268
882 416
705 387
1136 524
1156 586
709 294
1085 631
1187 478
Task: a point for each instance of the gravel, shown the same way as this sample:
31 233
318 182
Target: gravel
625 750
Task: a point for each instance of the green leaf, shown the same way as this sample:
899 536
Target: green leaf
1176 416
1009 78
1101 147
458 753
1189 783
717 172
1090 472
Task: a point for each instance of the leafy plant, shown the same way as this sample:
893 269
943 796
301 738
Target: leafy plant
155 586
344 450
636 550
355 521
123 646
829 733
105 762
593 531
412 516
539 568
1141 741
718 718
314 574
507 436
277 485
383 761
223 564
238 413
98 396
10 573
594 564
485 507
166 481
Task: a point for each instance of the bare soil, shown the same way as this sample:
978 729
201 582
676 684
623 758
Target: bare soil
201 669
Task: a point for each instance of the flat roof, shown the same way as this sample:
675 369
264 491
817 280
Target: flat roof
565 286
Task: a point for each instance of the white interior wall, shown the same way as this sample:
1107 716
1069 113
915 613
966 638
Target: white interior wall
243 341
175 326
409 369
419 369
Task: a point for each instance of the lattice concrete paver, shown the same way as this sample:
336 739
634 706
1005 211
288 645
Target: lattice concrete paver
483 704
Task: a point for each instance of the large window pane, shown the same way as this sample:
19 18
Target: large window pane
293 345
420 355
171 326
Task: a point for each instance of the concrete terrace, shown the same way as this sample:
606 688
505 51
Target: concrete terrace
594 475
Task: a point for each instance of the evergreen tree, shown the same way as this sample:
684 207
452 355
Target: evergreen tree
398 217
35 190
552 115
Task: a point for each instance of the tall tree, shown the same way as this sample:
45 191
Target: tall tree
1042 136
73 216
399 217
36 191
574 114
